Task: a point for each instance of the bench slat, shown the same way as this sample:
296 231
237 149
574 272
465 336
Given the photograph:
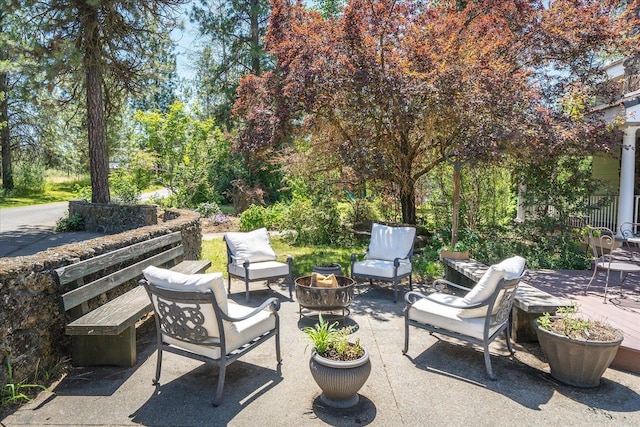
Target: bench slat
91 290
118 314
83 268
113 317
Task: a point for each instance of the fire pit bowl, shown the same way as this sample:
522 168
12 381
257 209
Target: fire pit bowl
312 299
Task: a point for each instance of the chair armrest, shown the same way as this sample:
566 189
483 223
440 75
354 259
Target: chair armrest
439 282
273 304
236 260
354 257
396 261
413 296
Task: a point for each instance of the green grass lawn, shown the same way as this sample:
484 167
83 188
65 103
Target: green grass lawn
425 267
53 192
305 257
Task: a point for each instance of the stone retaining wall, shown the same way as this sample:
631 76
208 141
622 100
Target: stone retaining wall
31 325
111 218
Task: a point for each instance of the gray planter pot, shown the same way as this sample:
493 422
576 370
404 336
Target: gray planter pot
577 363
340 381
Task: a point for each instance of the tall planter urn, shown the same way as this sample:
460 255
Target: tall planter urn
339 366
340 381
578 363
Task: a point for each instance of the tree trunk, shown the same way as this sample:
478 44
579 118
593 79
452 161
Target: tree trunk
98 157
456 203
7 166
407 202
256 49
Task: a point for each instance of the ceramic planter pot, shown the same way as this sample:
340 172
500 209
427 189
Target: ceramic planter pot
577 363
340 381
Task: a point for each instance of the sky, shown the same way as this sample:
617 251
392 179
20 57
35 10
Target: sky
186 45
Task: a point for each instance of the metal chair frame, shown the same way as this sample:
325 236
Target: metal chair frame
178 314
506 290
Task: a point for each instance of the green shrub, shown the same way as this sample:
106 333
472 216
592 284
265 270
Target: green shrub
208 209
83 192
252 218
29 176
74 222
124 187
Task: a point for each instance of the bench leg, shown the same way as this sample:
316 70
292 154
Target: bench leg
93 350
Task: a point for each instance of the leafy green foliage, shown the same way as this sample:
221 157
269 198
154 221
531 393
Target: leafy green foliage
74 222
29 176
566 323
322 334
208 209
135 174
331 342
14 392
190 154
233 38
310 223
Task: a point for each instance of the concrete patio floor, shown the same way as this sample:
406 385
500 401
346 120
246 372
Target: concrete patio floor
439 382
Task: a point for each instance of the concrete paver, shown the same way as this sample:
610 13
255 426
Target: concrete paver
439 382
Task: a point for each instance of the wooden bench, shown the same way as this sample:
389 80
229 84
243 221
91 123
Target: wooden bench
530 301
106 335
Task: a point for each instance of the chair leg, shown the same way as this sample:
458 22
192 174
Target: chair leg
595 271
410 284
507 335
246 286
218 398
156 380
395 290
278 357
406 337
291 285
487 362
229 283
606 286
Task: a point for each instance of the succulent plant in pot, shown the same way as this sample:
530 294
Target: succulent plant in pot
339 366
579 350
458 251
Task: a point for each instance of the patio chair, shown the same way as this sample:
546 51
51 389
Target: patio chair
630 232
477 317
250 258
603 243
194 319
388 257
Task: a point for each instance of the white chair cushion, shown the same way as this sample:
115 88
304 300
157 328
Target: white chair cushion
380 268
236 334
254 246
432 313
510 268
389 243
261 270
173 280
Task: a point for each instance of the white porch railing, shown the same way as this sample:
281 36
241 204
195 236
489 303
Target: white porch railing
606 212
607 215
